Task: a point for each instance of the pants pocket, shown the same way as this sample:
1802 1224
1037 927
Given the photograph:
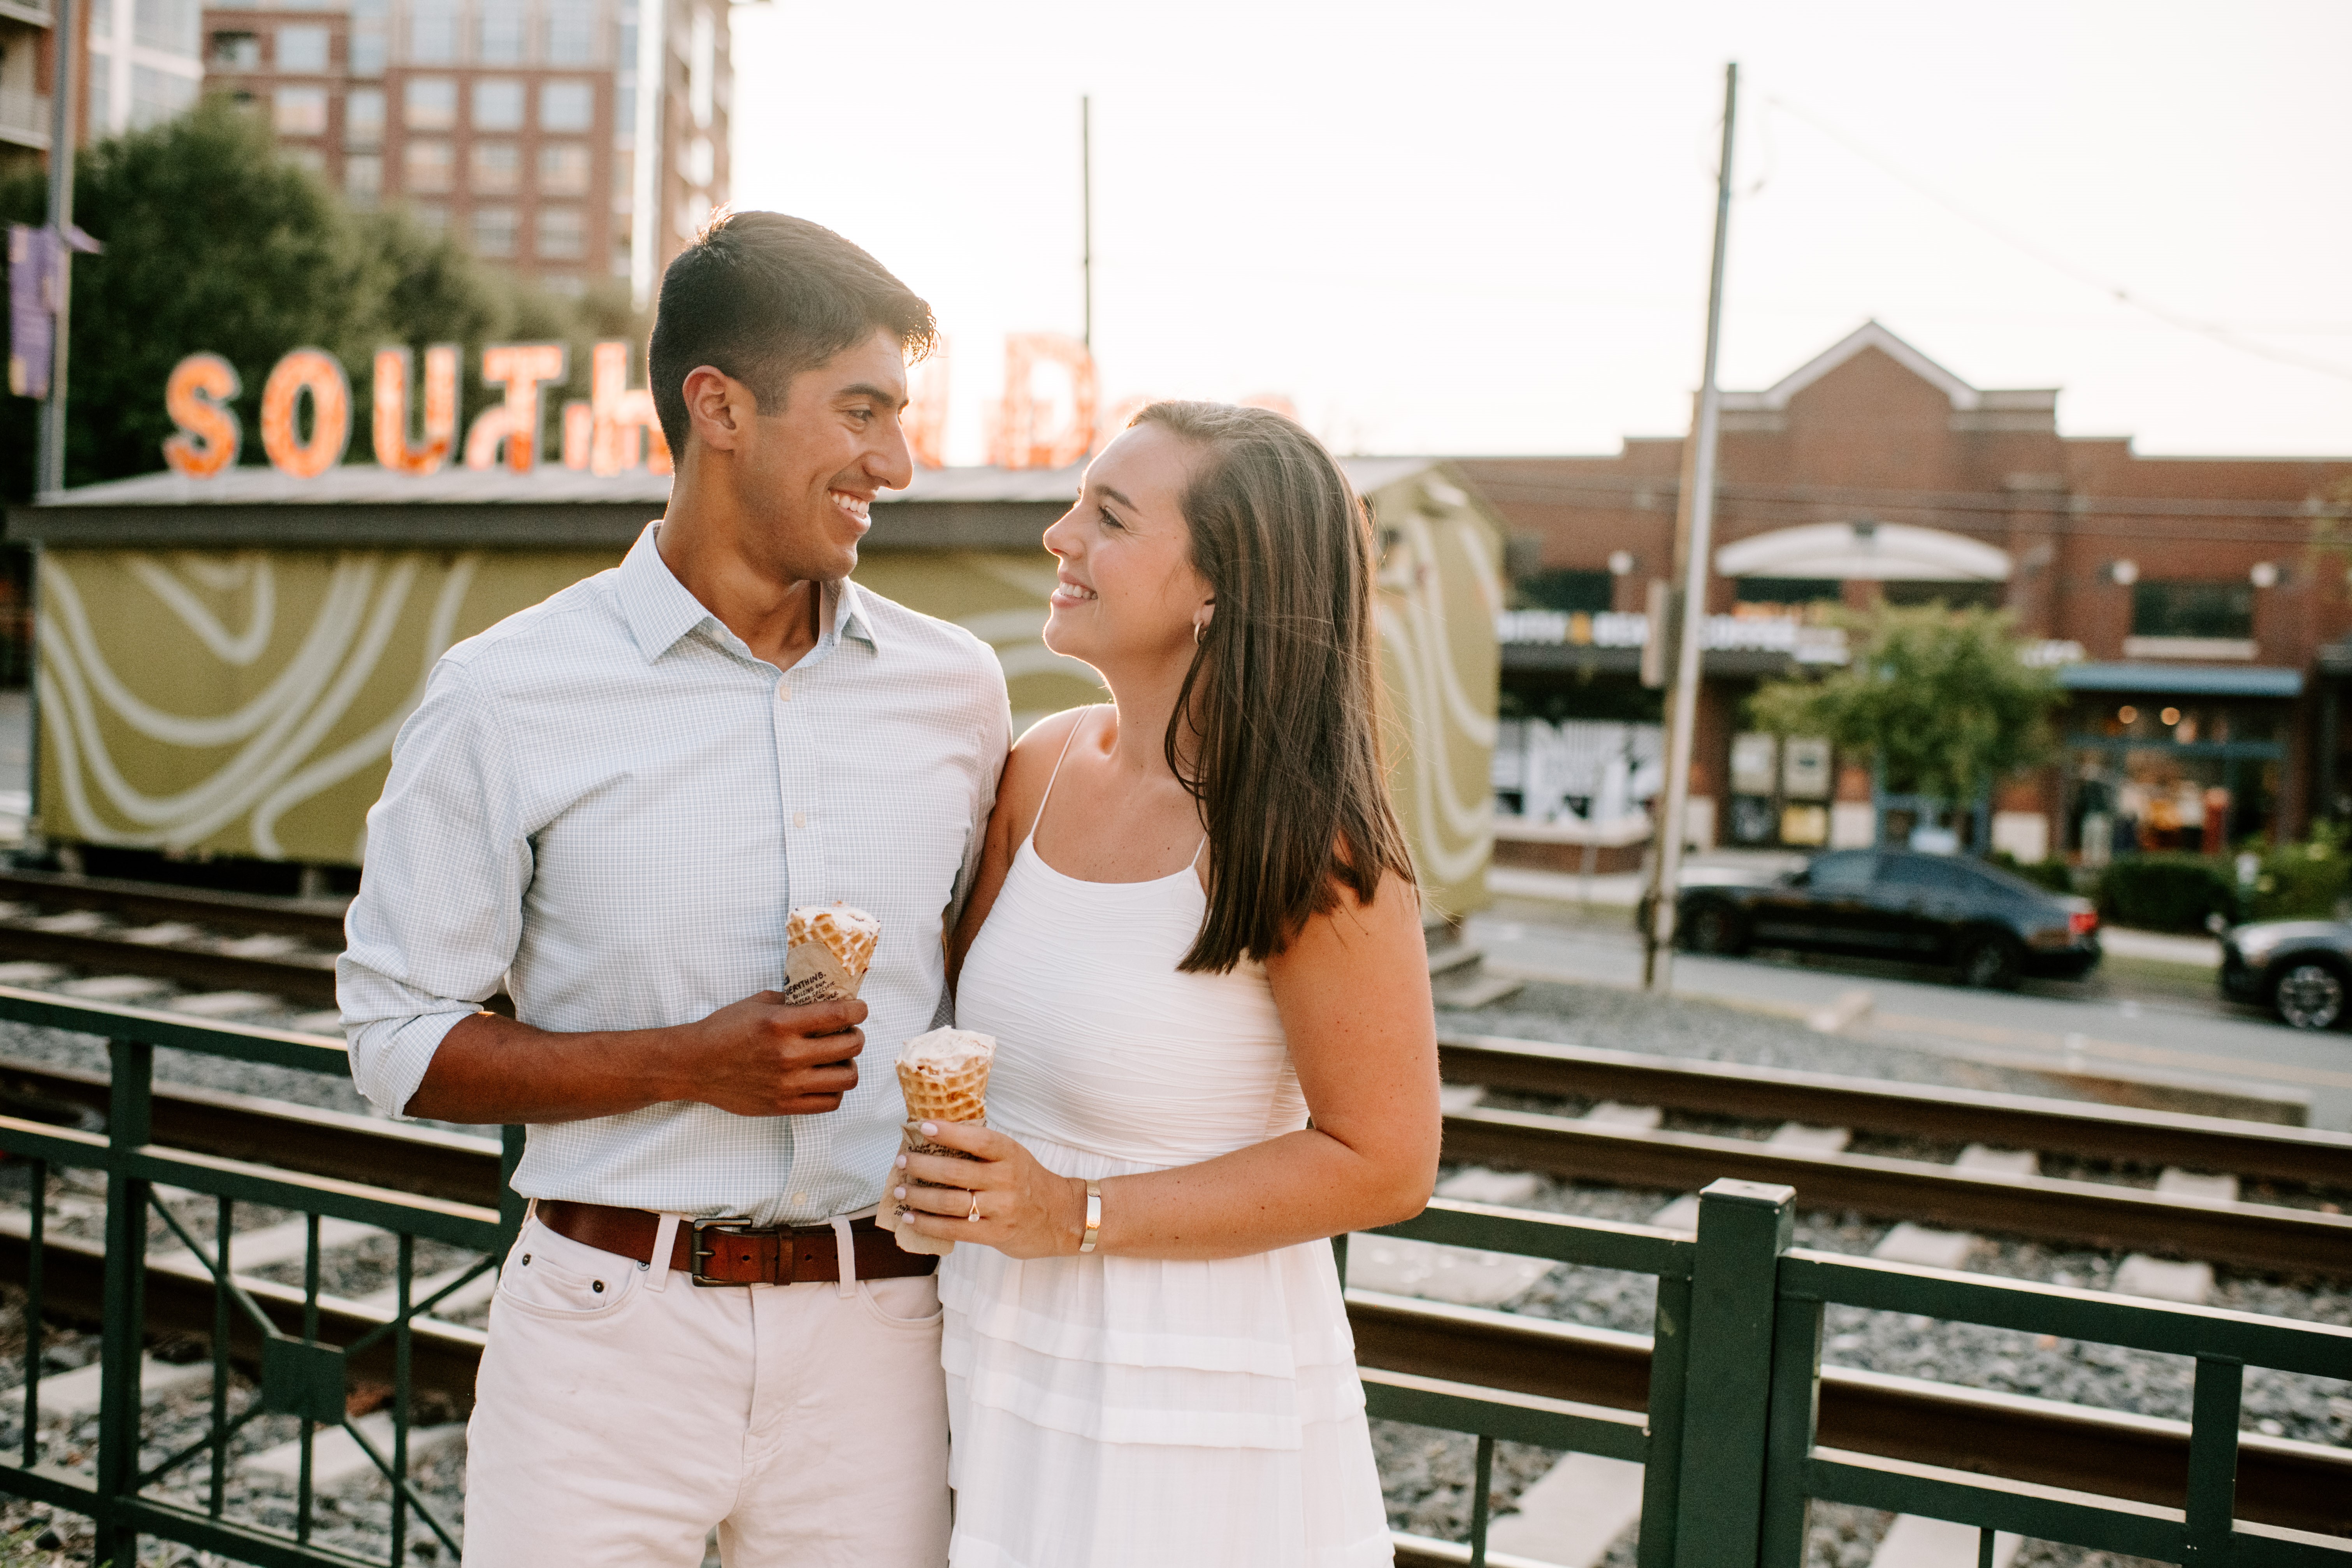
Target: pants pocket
549 1275
911 1303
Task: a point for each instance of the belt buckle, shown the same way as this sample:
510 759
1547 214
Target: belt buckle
698 1250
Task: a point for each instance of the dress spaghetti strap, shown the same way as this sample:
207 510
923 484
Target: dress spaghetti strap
1057 773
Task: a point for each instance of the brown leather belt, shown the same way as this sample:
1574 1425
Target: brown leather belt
729 1252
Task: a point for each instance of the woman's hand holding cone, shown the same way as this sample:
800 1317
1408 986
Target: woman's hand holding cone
1026 1210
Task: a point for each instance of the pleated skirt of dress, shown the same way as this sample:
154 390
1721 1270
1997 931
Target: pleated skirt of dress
1129 1413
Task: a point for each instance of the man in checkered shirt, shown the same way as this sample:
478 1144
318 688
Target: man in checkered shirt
605 805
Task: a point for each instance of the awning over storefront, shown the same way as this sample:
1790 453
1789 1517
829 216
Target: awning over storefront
1864 551
2187 679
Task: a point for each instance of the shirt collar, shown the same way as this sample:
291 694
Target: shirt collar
850 616
660 611
658 608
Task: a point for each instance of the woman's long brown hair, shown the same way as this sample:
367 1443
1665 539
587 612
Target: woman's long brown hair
1275 731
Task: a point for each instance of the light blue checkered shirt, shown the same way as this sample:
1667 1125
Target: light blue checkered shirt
606 803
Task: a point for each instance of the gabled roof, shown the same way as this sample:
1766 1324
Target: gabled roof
1869 335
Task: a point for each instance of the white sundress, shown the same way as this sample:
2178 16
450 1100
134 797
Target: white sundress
1127 1412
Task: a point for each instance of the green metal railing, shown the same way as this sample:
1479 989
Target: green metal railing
1728 1437
274 1350
1727 1430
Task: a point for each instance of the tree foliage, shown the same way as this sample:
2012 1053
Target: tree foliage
1939 698
214 240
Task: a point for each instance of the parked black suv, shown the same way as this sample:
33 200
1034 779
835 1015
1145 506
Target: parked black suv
1992 927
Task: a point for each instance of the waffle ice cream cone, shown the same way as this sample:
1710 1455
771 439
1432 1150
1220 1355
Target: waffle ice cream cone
944 1077
827 950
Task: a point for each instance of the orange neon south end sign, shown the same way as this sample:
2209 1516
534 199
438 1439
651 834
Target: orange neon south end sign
306 413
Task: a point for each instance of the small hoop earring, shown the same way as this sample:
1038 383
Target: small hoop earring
1199 630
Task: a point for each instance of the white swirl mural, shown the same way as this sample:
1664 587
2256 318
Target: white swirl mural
246 703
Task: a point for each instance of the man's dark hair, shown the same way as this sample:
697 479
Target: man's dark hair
764 297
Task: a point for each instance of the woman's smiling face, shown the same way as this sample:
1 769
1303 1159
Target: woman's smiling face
1126 591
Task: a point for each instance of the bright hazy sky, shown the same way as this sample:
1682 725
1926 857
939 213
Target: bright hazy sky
1479 227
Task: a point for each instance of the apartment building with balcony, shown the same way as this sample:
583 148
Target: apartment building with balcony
27 63
139 62
514 124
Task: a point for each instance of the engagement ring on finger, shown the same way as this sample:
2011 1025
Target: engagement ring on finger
974 1214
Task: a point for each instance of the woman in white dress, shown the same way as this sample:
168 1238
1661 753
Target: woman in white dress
1195 928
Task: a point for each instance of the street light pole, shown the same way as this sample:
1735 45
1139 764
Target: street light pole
49 466
1698 512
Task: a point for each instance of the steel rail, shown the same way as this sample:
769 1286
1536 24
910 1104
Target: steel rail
400 1155
319 920
2300 1485
2252 1235
300 977
2151 1138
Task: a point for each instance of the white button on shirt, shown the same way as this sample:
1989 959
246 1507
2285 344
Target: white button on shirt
606 803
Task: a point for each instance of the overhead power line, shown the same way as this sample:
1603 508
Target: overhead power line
2212 330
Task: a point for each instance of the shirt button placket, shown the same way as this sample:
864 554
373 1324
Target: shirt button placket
796 772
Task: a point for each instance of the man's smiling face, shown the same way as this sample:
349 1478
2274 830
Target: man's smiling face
810 467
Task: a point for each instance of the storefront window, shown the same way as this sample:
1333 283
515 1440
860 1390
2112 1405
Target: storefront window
2193 610
1780 790
1590 593
2142 799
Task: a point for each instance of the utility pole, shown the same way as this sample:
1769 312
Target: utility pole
49 466
1692 549
1087 215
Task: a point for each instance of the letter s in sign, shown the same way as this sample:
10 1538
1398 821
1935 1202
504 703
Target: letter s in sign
198 398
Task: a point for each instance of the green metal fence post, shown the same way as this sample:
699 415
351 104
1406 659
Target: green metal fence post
1789 1435
1743 1228
511 1203
128 1127
36 1188
1669 1374
2214 1461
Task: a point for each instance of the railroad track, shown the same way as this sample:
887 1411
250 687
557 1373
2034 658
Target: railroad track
210 941
2194 1211
229 943
1616 1151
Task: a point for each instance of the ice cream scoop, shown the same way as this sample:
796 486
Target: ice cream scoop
944 1075
827 950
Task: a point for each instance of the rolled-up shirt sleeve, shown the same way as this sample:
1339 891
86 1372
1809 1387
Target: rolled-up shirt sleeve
439 912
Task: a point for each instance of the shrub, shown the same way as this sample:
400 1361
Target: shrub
2301 882
2166 892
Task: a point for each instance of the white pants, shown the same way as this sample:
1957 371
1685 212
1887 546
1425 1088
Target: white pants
617 1426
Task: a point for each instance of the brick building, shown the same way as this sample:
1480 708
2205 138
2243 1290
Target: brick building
513 123
2192 608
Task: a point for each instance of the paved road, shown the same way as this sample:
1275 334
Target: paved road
2205 1044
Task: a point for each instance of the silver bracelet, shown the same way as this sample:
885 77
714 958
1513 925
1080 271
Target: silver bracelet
1094 1217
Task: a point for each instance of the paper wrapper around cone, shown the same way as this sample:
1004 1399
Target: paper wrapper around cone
827 951
944 1076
